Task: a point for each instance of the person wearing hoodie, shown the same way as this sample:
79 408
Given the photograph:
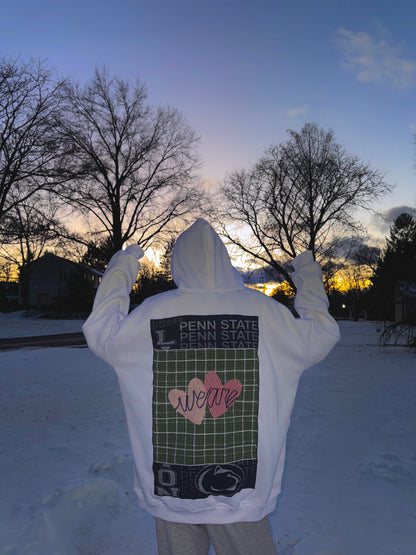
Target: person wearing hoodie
208 375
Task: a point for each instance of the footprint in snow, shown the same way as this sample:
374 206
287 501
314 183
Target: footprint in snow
389 467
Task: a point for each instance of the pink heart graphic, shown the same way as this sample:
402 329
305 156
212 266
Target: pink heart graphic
220 398
192 404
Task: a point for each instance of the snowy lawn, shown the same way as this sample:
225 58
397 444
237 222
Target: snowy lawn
16 324
349 486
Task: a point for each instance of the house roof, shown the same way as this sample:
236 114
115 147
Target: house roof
51 256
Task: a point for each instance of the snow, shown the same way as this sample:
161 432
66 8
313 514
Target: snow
66 480
17 324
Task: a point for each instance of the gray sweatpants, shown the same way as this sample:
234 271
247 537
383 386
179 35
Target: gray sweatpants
241 538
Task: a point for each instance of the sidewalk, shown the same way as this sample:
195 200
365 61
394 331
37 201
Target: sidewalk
56 340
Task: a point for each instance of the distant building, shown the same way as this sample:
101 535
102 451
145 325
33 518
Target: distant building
405 302
46 279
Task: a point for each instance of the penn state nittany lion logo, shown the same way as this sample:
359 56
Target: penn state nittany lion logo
225 479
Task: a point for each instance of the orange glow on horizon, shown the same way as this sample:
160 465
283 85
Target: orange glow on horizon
270 288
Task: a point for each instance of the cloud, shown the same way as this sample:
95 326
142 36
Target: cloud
380 223
208 184
296 111
374 59
392 213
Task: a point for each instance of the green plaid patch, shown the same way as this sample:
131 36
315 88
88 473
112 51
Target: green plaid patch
230 437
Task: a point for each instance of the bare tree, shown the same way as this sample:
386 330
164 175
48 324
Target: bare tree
131 165
300 195
27 230
30 100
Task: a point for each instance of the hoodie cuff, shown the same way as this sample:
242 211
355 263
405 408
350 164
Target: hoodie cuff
302 259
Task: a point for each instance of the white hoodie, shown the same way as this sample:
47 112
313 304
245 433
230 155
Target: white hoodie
208 375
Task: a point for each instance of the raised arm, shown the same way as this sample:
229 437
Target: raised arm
319 328
111 304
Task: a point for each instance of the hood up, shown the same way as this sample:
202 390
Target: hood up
201 261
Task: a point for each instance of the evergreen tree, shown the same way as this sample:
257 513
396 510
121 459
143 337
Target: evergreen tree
398 263
98 254
166 258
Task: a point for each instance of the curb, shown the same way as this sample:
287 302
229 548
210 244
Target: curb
57 340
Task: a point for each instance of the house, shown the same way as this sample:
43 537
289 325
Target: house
46 279
9 297
405 302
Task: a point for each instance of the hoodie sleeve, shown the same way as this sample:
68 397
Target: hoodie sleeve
112 301
319 329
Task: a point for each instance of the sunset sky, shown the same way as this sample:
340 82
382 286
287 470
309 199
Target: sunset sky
244 72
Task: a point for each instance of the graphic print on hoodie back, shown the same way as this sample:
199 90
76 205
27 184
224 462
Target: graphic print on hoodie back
205 404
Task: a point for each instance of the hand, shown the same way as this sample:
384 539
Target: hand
301 259
135 250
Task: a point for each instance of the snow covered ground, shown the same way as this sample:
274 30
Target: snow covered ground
65 465
16 324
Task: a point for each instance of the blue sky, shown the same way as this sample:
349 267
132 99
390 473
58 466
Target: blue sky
244 72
